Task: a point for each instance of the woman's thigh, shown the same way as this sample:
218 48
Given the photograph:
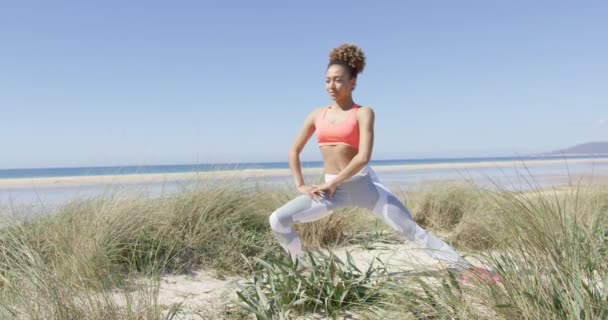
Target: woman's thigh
305 209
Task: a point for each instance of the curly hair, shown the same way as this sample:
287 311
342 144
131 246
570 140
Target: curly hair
349 56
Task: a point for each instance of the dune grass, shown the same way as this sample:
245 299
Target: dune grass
329 288
102 258
549 247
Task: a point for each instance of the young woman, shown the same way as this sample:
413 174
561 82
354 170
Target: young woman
345 135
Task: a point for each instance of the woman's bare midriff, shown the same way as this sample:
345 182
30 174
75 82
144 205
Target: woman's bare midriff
337 157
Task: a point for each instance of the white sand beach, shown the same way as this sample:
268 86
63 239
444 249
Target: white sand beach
262 173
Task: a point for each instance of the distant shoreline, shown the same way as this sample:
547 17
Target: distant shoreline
263 173
566 155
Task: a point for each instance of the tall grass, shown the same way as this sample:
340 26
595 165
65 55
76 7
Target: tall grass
553 260
549 247
102 258
37 283
557 262
82 259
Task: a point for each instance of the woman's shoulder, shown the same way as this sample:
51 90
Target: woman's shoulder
319 109
365 111
364 107
314 113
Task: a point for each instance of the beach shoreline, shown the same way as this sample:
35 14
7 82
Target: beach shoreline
66 181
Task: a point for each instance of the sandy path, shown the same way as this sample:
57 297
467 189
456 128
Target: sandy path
200 295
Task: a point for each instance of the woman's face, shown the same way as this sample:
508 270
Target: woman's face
338 82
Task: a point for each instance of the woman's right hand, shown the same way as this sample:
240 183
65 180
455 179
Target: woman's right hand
311 191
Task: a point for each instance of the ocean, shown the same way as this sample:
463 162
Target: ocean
524 173
182 168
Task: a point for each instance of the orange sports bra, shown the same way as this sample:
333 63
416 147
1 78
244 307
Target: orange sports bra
344 133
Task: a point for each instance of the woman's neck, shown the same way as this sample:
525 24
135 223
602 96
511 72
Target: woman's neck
344 104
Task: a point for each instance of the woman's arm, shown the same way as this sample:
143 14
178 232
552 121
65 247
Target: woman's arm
296 148
365 117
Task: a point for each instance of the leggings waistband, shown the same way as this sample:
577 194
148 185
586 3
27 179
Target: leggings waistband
365 170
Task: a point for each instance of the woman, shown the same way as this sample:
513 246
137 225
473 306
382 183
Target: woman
345 134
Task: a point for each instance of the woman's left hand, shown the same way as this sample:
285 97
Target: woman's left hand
328 188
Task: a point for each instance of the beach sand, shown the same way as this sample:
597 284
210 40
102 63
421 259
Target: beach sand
202 293
264 173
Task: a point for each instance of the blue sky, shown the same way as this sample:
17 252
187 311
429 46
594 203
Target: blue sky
149 82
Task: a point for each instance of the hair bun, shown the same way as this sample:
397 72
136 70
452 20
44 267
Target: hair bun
349 54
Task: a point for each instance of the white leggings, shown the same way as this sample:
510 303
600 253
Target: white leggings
363 190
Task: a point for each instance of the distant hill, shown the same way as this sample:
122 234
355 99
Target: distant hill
592 148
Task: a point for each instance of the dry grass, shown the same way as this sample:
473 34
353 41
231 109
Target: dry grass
551 248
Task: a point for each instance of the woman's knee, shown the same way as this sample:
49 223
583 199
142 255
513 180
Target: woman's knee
298 210
399 217
280 222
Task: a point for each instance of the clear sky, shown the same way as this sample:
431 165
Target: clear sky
161 82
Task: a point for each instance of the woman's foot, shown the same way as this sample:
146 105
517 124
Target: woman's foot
480 273
303 266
